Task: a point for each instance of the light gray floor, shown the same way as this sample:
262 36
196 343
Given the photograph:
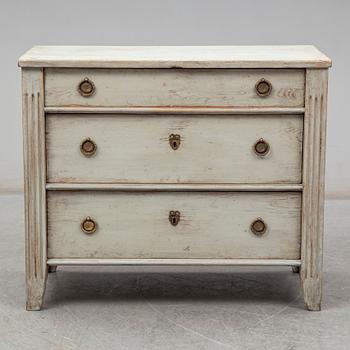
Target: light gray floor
240 308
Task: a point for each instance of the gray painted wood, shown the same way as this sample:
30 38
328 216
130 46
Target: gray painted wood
297 56
136 225
174 262
189 187
34 185
313 180
174 87
217 201
213 149
179 110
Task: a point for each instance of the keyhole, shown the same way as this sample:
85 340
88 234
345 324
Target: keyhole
174 141
174 217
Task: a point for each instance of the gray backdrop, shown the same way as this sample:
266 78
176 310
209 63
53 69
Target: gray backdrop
162 22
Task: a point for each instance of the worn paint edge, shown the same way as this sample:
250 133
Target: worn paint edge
175 262
172 187
177 110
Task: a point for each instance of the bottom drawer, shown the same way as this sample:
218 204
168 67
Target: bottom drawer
174 225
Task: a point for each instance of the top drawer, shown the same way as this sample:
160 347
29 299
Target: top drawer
174 87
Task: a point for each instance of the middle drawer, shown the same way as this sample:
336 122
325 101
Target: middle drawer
174 148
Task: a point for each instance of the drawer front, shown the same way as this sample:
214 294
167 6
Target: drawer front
218 149
137 225
174 87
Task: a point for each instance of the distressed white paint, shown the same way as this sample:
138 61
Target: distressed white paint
174 87
213 149
174 262
313 179
34 185
179 110
190 187
216 112
136 225
297 56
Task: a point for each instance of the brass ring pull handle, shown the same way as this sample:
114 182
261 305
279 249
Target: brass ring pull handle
258 227
174 141
88 225
263 88
261 147
174 217
88 147
86 88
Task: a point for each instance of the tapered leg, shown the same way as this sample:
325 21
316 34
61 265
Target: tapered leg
312 288
34 186
313 187
35 294
52 269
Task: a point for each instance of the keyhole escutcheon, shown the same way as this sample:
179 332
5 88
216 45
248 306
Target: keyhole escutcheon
174 217
174 141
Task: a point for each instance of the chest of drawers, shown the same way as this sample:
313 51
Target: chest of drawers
174 156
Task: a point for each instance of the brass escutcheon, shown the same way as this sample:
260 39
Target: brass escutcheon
263 88
88 225
258 227
174 217
174 141
86 88
261 147
88 147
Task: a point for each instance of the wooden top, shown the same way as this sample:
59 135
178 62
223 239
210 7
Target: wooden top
301 56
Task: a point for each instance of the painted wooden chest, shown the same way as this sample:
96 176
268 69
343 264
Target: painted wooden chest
174 156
